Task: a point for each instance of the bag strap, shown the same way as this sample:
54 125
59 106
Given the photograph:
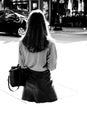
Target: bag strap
9 86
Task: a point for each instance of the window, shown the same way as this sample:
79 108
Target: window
34 5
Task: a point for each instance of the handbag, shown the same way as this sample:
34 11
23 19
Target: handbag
17 76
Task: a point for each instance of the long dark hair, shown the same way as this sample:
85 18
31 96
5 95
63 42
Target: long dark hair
35 38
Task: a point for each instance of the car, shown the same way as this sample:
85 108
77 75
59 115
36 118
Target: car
12 22
22 12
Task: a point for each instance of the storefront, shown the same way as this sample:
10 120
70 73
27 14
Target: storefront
51 8
50 5
44 5
28 5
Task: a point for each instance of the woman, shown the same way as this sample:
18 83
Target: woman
37 51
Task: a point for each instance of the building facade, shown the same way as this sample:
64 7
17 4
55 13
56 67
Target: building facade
57 5
28 5
50 7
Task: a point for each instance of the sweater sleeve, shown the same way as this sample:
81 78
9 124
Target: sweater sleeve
52 57
21 55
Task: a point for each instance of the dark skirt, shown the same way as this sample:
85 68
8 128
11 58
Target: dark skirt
38 87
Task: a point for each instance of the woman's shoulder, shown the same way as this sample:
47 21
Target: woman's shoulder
51 43
21 45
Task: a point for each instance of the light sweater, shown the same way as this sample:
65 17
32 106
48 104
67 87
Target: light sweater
38 61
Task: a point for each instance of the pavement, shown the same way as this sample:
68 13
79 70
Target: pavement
72 30
70 82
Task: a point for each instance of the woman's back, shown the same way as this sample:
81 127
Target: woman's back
38 61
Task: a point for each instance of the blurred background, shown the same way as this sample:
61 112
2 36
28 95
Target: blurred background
72 13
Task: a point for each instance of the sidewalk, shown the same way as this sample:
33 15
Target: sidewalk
72 30
70 82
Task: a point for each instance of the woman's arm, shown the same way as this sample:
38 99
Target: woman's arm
21 55
52 57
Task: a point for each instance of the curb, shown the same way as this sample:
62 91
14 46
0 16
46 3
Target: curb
71 30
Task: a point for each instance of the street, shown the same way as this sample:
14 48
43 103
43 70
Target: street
70 83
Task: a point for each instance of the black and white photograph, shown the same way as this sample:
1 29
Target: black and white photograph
43 64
